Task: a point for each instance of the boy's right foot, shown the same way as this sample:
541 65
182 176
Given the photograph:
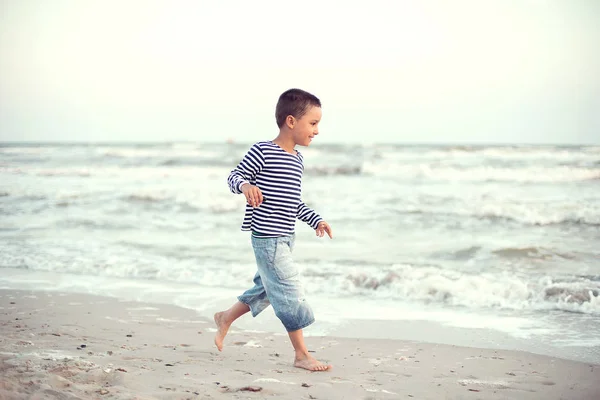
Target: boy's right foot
310 363
222 328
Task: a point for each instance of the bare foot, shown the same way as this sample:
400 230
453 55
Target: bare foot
311 364
222 328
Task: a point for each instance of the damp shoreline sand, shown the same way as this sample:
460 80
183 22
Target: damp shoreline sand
73 346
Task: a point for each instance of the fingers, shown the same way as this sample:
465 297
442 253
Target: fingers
254 197
324 228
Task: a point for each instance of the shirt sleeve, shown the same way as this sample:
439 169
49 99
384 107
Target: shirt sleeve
308 215
252 163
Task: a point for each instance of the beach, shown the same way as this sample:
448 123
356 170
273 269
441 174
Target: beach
455 272
57 345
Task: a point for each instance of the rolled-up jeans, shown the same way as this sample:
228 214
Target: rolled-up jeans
277 283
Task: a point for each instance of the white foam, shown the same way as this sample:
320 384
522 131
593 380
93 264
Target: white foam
181 321
431 172
380 391
122 321
272 380
494 290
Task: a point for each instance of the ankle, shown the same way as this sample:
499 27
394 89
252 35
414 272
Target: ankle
301 354
224 317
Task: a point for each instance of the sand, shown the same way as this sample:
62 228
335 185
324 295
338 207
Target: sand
67 346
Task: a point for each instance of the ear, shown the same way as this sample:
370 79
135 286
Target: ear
290 121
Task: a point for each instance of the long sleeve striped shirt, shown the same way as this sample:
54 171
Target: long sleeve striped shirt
278 174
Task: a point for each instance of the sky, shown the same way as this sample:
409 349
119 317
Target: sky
430 71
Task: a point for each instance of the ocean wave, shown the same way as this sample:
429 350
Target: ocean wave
80 172
94 224
35 150
486 290
536 153
481 155
537 253
334 171
511 253
534 214
147 152
190 203
163 203
591 220
146 173
413 169
199 162
585 217
480 173
144 198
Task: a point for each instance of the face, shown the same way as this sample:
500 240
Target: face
307 127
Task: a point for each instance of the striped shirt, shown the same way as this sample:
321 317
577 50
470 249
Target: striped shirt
278 175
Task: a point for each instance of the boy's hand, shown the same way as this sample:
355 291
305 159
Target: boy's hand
253 195
323 228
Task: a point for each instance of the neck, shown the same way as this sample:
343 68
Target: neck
286 143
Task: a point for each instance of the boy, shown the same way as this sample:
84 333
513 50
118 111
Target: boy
270 177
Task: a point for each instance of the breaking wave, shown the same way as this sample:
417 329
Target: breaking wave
429 171
485 290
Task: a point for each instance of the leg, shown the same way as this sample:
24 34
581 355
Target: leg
254 299
303 359
224 319
280 277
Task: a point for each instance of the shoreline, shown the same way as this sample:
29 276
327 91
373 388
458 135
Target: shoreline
367 320
158 351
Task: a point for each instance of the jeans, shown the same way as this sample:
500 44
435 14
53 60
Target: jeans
277 283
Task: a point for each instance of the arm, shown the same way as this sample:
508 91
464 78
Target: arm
314 220
308 215
252 163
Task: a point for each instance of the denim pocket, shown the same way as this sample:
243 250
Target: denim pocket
284 265
264 250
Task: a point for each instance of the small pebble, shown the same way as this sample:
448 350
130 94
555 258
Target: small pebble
250 389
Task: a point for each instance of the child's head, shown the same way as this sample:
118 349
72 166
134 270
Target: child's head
294 102
299 112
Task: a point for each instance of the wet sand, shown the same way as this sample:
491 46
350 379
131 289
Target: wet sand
68 346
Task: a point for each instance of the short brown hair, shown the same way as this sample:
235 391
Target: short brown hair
294 102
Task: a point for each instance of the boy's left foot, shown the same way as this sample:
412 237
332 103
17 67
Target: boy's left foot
311 364
222 329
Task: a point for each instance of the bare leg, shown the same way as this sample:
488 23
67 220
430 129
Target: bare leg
224 319
303 358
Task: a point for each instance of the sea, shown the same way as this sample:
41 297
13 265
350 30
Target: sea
477 245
